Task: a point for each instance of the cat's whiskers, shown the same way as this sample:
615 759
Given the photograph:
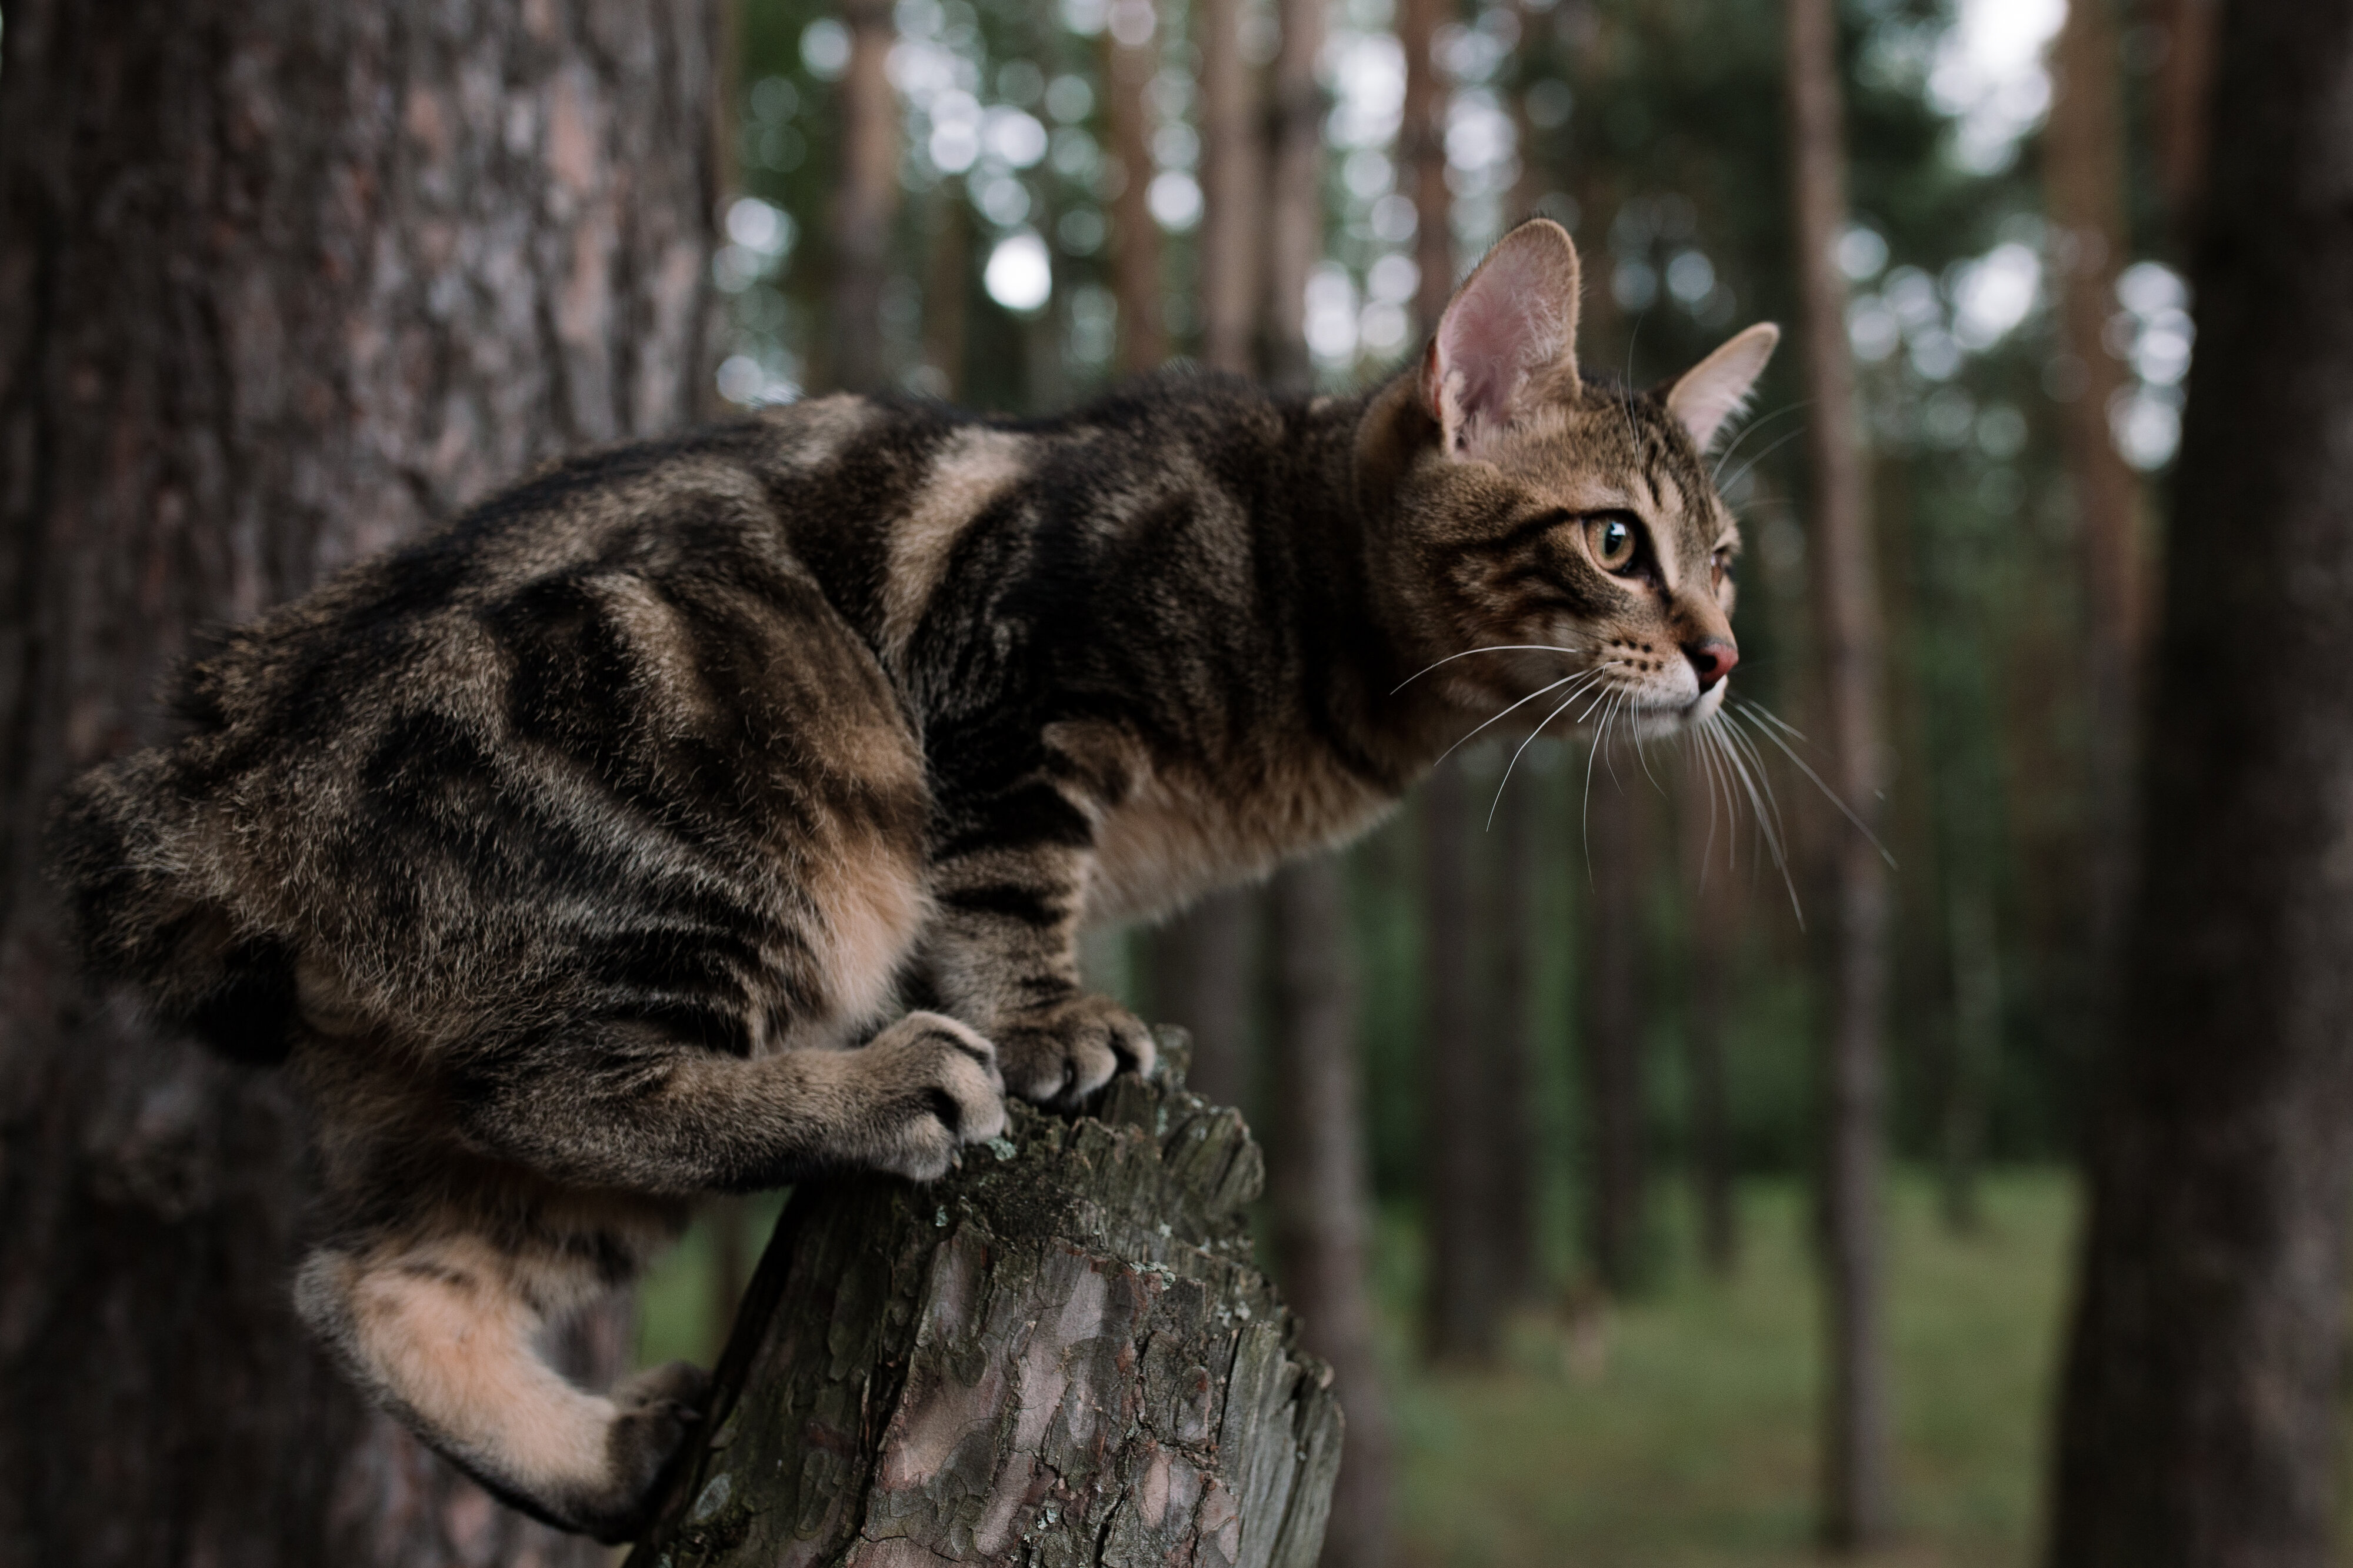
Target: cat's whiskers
1763 808
1745 712
1745 468
1492 648
1750 429
1531 740
1594 673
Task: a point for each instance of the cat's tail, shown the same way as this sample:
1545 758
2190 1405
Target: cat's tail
123 847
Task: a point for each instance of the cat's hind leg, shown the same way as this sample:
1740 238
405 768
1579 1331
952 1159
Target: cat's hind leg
444 1331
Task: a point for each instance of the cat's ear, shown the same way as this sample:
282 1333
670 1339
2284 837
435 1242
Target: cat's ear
1717 389
1509 332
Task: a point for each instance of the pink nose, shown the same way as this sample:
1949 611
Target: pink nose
1712 660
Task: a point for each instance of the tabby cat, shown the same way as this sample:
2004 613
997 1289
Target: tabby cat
551 853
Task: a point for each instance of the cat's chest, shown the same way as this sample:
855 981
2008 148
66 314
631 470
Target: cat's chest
1178 834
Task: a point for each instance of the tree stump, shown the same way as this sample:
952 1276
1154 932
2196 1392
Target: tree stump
1061 1355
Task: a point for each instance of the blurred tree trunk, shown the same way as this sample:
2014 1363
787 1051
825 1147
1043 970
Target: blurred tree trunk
1233 190
1612 818
2084 180
1132 57
1319 1177
2202 1398
282 283
868 200
1514 938
1707 830
947 288
1462 1321
1319 1187
1421 155
1295 216
1855 1502
2185 81
1204 976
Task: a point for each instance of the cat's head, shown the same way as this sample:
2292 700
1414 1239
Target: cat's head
1574 527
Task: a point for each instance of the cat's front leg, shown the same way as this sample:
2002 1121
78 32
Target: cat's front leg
1004 956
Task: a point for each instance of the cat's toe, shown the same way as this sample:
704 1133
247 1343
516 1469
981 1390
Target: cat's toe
935 1087
657 1411
1060 1055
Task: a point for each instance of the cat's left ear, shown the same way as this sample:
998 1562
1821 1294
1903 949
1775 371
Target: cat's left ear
1717 389
1508 335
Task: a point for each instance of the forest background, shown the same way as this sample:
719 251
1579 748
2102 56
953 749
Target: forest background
1577 1078
1632 951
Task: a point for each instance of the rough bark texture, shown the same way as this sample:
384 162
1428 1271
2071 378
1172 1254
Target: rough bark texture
283 282
1460 1323
867 202
1855 1503
1059 1355
1319 1188
1613 820
2202 1395
2083 178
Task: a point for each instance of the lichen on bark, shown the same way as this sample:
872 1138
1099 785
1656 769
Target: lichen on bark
1062 1354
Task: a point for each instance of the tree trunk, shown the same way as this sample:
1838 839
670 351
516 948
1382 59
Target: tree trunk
1294 218
1233 213
1976 1044
1319 1188
2185 82
2083 178
1204 977
1612 819
1708 871
1132 56
1461 1324
868 200
2202 1399
1855 1502
1421 155
282 283
1060 1354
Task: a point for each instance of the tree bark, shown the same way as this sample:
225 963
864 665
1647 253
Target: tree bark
1617 1179
868 200
1132 56
1421 154
2083 178
1855 1502
2185 82
1515 940
1060 1354
1321 1191
2200 1402
282 283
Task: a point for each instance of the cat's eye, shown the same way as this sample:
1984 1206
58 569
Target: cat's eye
1611 540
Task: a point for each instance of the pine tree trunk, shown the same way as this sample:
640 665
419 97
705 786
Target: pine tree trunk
866 203
1131 57
1233 212
282 283
1461 1324
1294 218
1421 155
1319 1188
1060 1354
1612 820
2084 177
1204 977
1855 1503
2202 1398
1510 1080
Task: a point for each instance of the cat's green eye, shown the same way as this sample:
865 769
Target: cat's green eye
1611 540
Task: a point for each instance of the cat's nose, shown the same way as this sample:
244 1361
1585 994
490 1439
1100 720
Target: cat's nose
1712 660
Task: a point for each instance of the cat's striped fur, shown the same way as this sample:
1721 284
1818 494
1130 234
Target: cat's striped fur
551 851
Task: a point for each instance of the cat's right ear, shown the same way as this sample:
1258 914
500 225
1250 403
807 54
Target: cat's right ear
1509 335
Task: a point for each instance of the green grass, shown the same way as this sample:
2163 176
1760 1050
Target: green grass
1683 1432
1682 1435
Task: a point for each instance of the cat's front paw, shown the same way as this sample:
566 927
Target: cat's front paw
1061 1053
930 1085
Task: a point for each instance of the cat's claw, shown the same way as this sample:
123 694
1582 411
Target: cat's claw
934 1087
1062 1053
